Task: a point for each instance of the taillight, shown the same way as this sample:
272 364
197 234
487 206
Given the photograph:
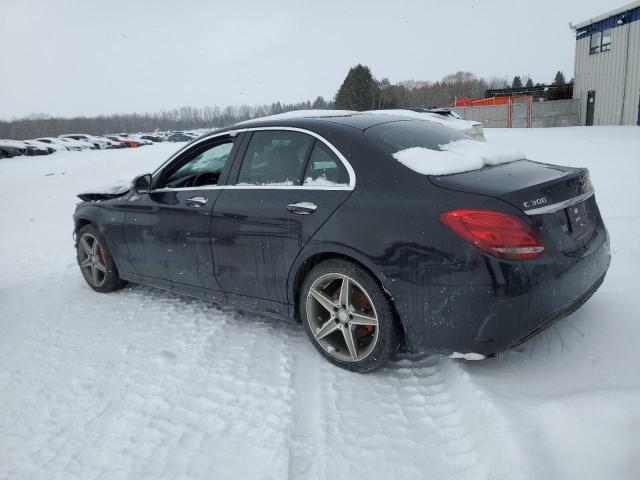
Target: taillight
498 234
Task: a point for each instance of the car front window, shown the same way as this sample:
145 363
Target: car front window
204 168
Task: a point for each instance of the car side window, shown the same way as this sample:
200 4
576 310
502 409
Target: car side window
324 168
275 157
204 167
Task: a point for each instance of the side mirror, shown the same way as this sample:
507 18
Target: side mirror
142 183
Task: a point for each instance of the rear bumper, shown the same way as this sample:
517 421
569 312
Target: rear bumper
486 305
559 315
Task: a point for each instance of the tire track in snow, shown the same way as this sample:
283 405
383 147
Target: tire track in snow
151 385
401 422
307 434
412 419
148 386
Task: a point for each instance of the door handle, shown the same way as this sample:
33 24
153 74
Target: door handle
196 202
302 208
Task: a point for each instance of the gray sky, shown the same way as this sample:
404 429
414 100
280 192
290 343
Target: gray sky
90 57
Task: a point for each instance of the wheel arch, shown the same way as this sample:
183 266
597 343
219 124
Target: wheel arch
304 265
81 222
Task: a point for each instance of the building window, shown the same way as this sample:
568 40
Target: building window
596 38
600 41
606 40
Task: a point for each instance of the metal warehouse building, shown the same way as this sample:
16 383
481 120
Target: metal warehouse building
607 67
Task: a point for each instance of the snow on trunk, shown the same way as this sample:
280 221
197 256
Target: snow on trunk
456 157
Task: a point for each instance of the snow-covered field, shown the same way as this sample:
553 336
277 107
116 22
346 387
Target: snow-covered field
143 384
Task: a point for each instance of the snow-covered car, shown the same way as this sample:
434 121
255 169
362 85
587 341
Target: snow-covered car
448 118
126 141
60 142
95 141
83 144
53 147
12 148
37 148
140 140
112 143
374 232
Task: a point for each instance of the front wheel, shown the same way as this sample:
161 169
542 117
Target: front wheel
96 263
347 316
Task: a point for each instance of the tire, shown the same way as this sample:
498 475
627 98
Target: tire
95 261
368 321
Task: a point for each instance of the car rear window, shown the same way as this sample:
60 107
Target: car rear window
393 137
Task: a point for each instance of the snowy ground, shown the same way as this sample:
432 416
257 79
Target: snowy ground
143 384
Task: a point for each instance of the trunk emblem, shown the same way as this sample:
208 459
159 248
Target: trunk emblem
537 201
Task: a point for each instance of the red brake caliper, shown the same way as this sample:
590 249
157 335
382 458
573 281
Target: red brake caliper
101 255
362 304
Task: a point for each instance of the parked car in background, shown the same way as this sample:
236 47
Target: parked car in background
181 137
128 142
12 148
112 143
95 141
84 145
152 138
37 148
60 142
140 140
446 117
54 147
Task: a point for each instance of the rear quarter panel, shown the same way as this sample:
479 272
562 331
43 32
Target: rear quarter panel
390 224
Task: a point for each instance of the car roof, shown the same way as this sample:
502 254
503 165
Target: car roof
356 120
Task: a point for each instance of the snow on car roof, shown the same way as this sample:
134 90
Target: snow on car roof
313 113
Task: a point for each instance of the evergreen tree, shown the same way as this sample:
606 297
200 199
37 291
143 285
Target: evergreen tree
319 103
517 82
559 80
358 90
529 83
560 89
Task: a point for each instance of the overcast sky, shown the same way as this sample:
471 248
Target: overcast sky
90 57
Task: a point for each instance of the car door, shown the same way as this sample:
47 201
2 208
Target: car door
168 229
279 199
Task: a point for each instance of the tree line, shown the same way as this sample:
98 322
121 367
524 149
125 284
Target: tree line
360 91
184 118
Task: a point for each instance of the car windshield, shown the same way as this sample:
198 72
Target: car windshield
395 136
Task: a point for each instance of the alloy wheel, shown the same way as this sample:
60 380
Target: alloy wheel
92 260
342 317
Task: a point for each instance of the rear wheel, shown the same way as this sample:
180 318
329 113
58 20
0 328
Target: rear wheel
347 316
96 263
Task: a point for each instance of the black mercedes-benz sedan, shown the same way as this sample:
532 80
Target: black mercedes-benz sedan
316 219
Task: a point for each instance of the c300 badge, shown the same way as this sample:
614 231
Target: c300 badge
536 202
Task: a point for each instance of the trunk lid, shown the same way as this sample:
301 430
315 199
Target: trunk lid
558 200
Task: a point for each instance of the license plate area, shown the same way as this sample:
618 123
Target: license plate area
578 218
